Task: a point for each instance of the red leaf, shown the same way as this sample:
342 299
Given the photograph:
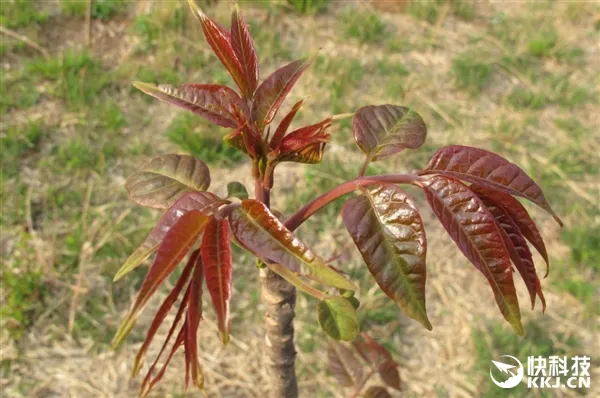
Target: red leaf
246 140
243 48
519 216
284 125
384 130
219 104
174 247
385 225
474 230
194 315
344 366
270 94
489 170
380 358
221 43
216 257
163 311
305 145
518 249
148 382
203 201
257 229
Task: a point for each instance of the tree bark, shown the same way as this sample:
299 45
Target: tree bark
279 298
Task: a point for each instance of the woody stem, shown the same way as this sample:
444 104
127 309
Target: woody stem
279 299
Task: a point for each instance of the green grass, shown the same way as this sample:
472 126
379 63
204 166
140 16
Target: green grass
101 9
470 73
497 340
203 141
366 27
543 43
23 92
23 291
77 78
579 278
309 7
21 13
16 142
340 77
430 11
148 31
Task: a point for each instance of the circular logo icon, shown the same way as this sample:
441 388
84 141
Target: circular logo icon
512 369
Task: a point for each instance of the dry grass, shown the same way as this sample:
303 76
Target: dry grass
65 215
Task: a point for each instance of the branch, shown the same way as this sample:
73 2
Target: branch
25 40
315 205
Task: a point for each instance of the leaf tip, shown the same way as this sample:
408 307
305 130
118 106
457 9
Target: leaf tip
518 327
225 337
144 87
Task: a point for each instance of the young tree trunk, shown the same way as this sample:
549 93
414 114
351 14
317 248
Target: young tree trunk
279 298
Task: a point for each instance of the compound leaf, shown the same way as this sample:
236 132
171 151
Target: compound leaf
270 94
193 317
518 249
163 311
243 47
203 201
337 318
474 230
305 145
165 179
220 41
385 225
489 170
219 104
519 216
174 247
384 130
216 257
263 234
284 125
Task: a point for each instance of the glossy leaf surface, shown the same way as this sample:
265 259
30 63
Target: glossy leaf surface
489 170
193 317
337 318
216 257
167 178
384 130
474 230
284 125
173 248
518 215
237 190
203 201
343 365
518 250
220 41
270 94
219 104
385 225
257 229
164 309
243 47
305 145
